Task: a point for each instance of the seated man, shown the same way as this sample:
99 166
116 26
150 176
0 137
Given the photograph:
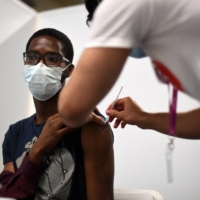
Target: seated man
43 158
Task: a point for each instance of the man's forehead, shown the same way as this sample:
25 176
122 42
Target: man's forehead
45 42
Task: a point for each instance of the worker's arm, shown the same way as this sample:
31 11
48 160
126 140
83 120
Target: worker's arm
95 74
127 111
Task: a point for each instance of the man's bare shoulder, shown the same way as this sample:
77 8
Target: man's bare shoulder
100 136
98 153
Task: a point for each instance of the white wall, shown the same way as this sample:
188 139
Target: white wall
139 155
17 23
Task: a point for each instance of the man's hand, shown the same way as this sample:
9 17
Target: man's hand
126 111
53 131
93 117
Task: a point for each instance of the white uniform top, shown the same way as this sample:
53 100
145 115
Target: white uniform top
168 31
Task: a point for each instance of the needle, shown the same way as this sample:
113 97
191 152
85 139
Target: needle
113 105
116 99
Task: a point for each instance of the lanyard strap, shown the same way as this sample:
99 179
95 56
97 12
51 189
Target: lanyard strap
172 126
172 111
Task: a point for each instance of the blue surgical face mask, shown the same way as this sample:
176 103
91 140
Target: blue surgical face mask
43 82
137 53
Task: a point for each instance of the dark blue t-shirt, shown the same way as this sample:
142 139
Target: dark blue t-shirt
63 174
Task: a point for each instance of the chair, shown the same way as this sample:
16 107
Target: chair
129 194
136 194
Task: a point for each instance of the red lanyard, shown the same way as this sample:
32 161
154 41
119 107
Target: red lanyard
172 120
172 111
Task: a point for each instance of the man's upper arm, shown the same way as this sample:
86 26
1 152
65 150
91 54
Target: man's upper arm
97 144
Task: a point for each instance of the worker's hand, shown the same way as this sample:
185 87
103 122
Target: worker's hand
52 132
96 118
126 111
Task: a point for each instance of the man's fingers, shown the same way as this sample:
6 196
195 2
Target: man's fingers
55 121
96 110
97 119
66 130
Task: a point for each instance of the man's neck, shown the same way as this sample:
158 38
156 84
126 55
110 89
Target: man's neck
46 109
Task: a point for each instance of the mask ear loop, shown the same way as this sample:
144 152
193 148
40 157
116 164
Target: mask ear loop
66 67
63 83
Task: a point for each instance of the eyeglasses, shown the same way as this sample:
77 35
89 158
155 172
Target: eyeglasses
50 59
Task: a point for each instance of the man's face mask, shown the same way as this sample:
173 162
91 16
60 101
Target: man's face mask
43 82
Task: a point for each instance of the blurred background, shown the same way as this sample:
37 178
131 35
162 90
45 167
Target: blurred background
42 5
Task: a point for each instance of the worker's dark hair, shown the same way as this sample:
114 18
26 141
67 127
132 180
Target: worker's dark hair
65 41
91 6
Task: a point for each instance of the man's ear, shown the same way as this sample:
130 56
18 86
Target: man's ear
69 71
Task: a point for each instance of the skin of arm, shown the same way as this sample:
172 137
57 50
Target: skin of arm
98 153
127 111
187 124
95 74
9 167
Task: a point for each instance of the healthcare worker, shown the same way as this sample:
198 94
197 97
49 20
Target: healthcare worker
167 31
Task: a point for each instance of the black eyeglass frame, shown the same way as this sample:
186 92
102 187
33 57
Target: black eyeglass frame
42 57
